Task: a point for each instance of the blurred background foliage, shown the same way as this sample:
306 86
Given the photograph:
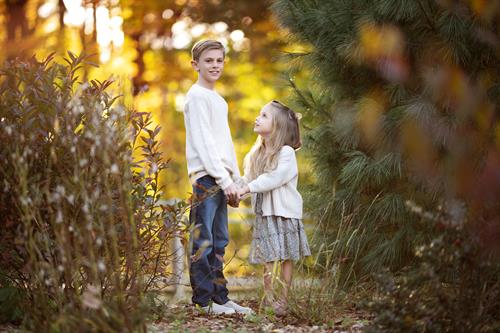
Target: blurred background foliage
144 46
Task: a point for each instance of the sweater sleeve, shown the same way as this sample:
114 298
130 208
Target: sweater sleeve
285 171
198 115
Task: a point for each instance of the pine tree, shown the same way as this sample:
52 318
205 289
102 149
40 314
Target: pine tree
402 102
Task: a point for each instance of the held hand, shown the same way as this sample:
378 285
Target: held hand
234 204
232 196
243 190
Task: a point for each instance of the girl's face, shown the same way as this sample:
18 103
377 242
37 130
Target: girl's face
264 121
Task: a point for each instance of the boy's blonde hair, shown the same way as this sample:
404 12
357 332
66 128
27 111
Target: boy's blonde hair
204 45
284 132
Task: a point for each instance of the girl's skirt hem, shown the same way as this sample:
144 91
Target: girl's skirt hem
277 238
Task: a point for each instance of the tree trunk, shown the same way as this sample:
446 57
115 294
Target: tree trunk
94 31
17 26
138 81
62 10
16 19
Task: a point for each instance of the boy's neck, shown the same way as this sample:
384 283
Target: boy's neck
205 84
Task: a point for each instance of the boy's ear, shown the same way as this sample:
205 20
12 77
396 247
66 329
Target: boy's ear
194 64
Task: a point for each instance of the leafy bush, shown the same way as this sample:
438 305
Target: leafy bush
455 287
83 233
10 302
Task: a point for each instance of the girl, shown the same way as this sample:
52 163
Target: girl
271 176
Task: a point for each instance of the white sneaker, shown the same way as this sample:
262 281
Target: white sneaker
216 309
238 308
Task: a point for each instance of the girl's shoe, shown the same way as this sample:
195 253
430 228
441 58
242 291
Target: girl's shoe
268 300
280 308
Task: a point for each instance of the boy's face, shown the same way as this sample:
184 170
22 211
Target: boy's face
210 65
264 121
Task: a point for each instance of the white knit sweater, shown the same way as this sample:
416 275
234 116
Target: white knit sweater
209 147
279 187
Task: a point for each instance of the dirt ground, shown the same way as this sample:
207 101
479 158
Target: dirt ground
184 317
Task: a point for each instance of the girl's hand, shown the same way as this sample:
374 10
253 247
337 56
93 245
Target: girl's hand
243 190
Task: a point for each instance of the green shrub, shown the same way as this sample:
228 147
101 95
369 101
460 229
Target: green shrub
385 126
10 302
455 287
84 236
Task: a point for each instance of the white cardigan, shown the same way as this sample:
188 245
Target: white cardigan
279 187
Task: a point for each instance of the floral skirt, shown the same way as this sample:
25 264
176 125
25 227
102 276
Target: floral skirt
277 238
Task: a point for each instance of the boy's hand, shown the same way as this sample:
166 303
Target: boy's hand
234 204
232 195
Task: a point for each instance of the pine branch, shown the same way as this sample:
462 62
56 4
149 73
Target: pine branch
430 22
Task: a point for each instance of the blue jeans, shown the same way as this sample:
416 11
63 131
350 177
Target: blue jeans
209 239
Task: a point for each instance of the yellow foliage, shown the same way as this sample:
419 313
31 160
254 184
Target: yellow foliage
371 108
377 41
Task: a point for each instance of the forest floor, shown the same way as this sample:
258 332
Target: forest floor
182 316
178 315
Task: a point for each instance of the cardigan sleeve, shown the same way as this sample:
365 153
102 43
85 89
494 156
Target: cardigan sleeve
198 115
285 171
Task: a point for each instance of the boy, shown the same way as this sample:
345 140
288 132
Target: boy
212 166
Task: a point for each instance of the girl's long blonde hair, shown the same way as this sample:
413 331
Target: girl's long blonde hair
263 157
